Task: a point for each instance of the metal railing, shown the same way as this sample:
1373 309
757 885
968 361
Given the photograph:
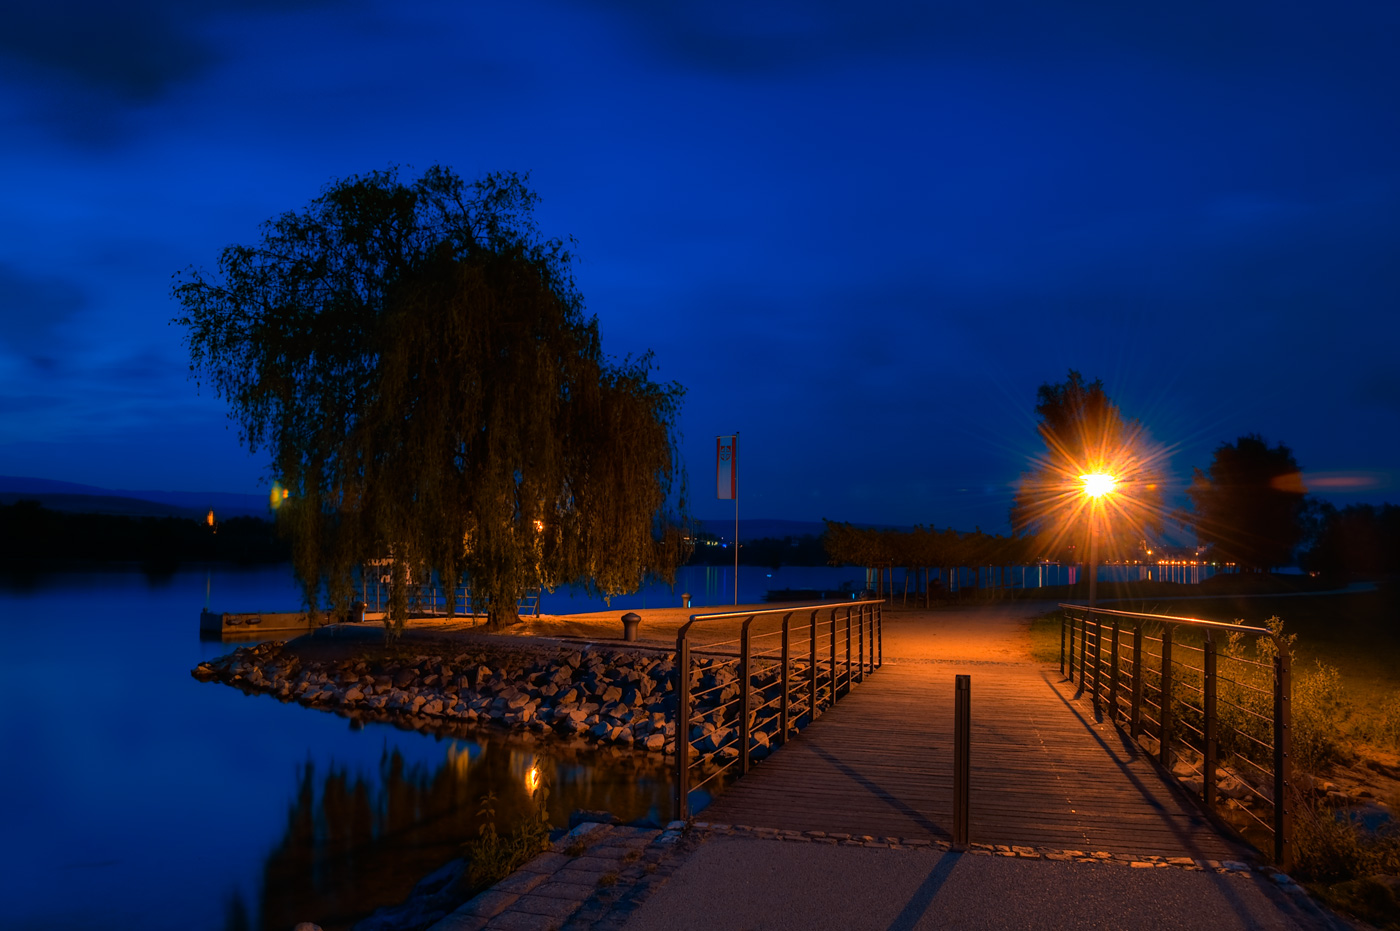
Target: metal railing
733 707
1222 727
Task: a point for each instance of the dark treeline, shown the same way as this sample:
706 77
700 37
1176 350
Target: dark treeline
1361 540
923 550
806 550
30 532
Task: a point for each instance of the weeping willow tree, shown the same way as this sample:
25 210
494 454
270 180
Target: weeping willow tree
418 363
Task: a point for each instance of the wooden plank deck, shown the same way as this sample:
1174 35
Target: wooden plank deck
1043 772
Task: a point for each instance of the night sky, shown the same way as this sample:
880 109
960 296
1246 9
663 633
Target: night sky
862 234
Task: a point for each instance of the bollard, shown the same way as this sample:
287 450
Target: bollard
685 599
962 725
630 622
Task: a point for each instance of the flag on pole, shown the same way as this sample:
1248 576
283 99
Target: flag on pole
727 466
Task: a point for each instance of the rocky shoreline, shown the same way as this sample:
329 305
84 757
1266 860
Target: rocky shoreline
612 697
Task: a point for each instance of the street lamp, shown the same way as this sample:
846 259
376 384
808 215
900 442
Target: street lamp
1095 485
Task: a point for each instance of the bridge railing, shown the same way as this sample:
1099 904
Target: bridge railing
1210 700
739 698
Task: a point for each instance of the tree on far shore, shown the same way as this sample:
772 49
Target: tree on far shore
1249 507
1084 434
418 363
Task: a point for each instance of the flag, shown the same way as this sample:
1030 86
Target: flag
727 466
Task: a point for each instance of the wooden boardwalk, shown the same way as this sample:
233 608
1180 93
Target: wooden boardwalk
1043 772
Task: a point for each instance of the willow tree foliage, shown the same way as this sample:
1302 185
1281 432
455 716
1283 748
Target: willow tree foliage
1085 434
418 363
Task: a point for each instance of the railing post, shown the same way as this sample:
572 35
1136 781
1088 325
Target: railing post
1113 674
962 725
744 697
783 702
1070 671
682 799
1164 755
1135 726
1208 689
1098 658
880 634
848 651
1283 756
812 672
832 681
1062 643
1083 651
860 639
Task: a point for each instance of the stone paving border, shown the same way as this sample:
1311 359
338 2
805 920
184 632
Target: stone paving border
705 830
596 875
592 877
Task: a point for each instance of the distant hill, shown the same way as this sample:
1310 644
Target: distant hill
73 498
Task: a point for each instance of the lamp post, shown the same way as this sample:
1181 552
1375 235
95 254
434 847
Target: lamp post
1096 485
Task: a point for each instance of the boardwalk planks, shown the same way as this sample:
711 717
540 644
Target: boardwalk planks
1043 772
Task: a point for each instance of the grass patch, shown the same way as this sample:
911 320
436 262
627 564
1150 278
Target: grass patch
491 857
1045 638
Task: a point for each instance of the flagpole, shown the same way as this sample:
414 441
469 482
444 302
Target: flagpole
736 518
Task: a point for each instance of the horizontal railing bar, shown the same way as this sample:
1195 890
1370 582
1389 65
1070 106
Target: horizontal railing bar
1245 759
793 609
1171 619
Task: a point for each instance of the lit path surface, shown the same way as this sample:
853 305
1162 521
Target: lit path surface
754 884
1044 773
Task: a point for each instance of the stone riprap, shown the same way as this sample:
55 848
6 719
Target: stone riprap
603 695
612 697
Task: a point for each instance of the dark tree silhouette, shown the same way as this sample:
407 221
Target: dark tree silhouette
1249 506
1085 434
1358 540
417 361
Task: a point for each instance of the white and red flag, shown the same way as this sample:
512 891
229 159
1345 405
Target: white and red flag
727 466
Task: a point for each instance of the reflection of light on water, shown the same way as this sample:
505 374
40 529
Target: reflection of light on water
460 759
532 779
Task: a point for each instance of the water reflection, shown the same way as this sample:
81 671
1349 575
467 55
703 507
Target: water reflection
356 841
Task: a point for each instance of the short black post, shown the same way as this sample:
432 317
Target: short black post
962 726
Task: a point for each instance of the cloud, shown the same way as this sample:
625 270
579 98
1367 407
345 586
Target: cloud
33 309
81 64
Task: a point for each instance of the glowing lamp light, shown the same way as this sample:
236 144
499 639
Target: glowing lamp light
278 495
209 518
539 526
1097 484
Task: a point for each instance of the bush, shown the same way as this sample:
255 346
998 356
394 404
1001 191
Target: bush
1319 707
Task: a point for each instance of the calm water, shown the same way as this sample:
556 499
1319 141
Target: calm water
138 797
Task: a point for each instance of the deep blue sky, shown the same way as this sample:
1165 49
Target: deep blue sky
862 234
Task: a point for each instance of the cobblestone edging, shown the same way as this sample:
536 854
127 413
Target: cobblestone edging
592 878
705 830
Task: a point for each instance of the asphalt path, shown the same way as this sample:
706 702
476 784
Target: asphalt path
754 884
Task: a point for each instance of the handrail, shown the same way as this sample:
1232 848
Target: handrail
1177 715
815 683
